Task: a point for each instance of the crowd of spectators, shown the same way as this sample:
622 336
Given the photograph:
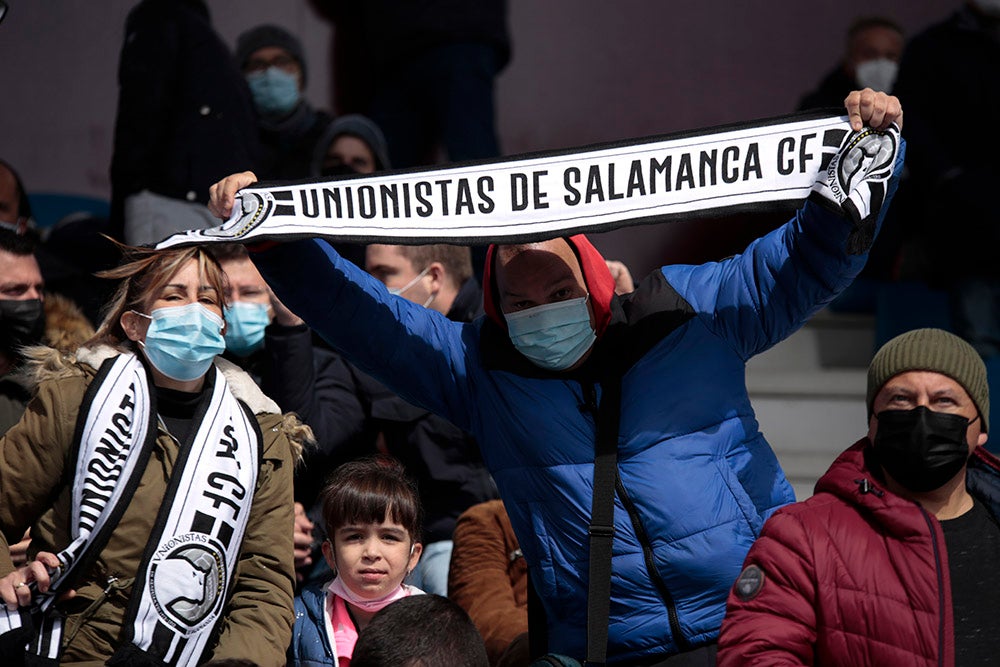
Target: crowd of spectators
408 477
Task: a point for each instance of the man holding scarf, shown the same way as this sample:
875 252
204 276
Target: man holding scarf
560 359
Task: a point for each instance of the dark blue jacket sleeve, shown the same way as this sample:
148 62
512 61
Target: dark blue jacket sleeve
316 384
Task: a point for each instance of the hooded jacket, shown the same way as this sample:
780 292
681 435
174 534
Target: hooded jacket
36 460
697 478
855 575
311 644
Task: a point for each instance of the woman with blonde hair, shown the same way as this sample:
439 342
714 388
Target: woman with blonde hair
157 483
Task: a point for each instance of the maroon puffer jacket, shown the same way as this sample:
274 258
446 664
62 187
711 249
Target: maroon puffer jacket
852 576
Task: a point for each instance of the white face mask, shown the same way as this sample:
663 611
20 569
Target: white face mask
399 291
878 74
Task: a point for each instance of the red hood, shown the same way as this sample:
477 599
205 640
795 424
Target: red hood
596 275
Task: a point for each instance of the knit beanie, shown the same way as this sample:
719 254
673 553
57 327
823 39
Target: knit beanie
933 350
269 35
354 125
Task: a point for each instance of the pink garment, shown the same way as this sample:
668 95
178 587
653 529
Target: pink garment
340 628
339 624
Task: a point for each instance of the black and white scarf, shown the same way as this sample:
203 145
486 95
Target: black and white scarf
190 560
592 189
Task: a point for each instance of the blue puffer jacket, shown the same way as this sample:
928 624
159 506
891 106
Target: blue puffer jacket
697 478
311 646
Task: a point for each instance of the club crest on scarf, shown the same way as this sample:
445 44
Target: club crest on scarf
187 577
857 166
250 211
870 155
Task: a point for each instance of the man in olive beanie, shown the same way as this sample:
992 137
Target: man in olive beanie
932 350
891 562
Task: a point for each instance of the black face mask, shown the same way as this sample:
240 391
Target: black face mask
21 323
921 449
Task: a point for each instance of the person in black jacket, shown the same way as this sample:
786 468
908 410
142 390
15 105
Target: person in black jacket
424 71
871 59
185 120
951 177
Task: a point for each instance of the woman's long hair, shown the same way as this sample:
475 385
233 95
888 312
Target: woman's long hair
143 273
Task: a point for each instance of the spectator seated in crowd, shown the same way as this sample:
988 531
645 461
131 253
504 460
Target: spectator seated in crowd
890 563
157 482
372 517
350 142
28 317
274 64
872 51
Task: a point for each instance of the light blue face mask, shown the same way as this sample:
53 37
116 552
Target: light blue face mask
275 91
246 322
182 341
555 335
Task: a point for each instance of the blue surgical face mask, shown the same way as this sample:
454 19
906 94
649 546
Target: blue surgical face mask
555 335
182 341
275 91
246 322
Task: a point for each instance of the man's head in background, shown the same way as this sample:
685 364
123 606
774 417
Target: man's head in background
430 275
22 316
420 631
874 48
353 142
273 62
15 209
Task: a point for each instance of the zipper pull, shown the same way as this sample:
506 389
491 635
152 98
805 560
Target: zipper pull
865 487
111 584
589 399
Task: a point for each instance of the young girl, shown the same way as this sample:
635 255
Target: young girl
373 517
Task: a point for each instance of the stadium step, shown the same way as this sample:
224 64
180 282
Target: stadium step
809 394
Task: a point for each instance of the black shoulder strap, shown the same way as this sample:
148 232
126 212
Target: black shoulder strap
602 518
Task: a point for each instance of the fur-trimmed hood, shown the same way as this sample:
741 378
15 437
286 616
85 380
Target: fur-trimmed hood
66 327
46 363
